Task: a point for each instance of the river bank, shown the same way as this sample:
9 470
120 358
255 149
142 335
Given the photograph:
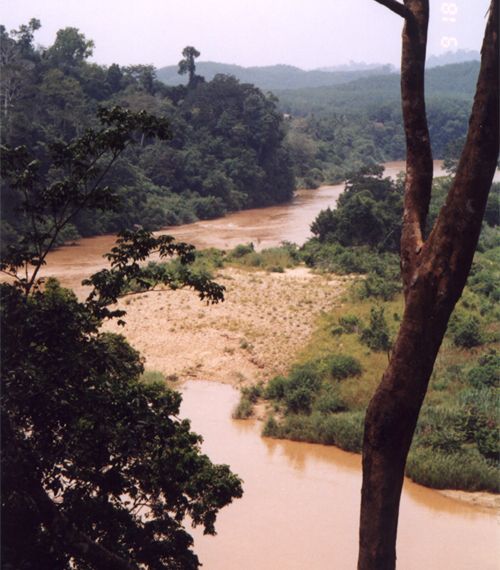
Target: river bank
254 335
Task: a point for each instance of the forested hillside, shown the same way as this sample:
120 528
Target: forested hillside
274 76
335 130
225 152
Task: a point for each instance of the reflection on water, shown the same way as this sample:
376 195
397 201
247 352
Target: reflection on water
301 504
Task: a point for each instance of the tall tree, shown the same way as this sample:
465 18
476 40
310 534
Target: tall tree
70 49
434 272
187 65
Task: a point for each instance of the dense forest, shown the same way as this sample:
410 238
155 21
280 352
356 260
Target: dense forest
225 151
231 145
333 131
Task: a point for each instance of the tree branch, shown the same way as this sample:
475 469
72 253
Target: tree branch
418 182
397 8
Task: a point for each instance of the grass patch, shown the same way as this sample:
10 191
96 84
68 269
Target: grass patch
468 471
152 377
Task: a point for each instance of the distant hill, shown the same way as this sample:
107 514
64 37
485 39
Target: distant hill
452 82
357 66
274 76
458 56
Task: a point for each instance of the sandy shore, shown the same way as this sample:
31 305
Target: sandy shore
478 499
253 335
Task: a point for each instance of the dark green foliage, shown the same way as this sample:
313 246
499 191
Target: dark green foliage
376 336
79 424
344 127
466 331
368 212
226 152
75 411
486 373
342 366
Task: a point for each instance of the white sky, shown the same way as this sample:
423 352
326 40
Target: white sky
305 33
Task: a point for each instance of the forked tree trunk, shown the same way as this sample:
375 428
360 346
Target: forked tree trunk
434 272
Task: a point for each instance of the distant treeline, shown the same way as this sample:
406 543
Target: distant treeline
333 131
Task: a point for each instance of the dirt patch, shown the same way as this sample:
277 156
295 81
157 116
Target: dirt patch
253 335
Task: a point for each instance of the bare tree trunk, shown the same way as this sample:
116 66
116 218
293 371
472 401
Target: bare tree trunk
434 273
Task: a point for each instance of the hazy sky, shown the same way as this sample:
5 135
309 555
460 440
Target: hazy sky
305 33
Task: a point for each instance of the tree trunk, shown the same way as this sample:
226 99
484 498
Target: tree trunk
434 273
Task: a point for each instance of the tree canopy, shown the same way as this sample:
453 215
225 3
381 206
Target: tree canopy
98 470
227 151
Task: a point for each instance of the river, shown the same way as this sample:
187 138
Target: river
264 227
301 504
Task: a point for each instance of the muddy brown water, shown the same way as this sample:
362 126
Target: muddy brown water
264 227
301 504
300 507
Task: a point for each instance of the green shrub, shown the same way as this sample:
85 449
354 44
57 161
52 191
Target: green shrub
350 323
342 366
487 373
377 287
299 400
376 335
271 428
241 250
244 409
329 402
442 428
253 393
152 377
276 388
487 437
466 331
344 430
305 375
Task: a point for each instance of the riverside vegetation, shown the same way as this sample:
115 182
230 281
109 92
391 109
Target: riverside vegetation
324 396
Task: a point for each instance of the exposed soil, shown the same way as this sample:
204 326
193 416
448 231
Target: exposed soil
253 335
